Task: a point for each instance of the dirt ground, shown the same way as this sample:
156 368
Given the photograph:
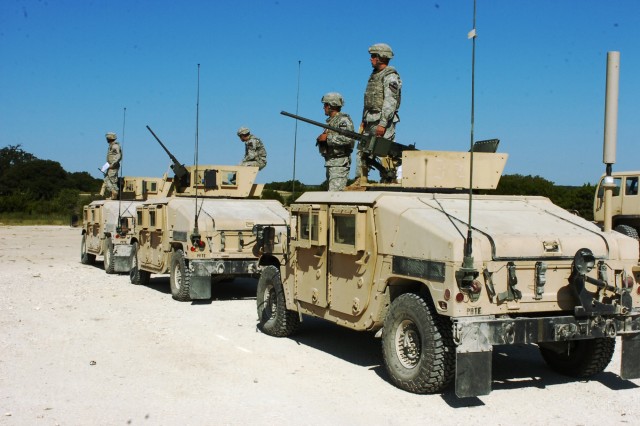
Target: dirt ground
79 347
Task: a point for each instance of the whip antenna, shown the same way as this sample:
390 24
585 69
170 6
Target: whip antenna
120 182
295 139
195 177
468 272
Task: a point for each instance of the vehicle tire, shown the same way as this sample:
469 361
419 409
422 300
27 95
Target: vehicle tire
137 276
273 316
109 267
85 257
180 277
417 346
627 230
579 358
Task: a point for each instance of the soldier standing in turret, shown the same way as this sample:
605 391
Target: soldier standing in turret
254 152
336 149
381 100
112 166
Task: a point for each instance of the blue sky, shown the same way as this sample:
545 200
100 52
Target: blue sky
69 68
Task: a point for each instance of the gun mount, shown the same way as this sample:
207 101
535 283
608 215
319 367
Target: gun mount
210 181
182 175
440 170
379 153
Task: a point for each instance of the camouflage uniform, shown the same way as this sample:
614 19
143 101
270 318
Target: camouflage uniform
114 156
254 153
337 152
381 100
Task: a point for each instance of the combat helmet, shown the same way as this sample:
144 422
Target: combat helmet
334 99
243 131
111 136
381 49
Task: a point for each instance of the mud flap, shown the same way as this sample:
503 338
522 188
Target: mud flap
473 373
629 365
200 287
122 257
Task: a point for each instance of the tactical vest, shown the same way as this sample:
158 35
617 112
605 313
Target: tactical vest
374 95
335 151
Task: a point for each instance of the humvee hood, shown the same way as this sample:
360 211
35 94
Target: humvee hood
503 228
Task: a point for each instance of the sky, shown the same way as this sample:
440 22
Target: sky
196 71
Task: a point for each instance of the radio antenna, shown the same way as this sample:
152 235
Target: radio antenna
120 182
195 177
295 139
468 271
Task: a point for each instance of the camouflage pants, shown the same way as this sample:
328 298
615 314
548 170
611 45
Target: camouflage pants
111 181
370 129
337 177
253 163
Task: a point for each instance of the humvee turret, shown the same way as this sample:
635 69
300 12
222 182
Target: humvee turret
443 276
205 229
625 203
108 225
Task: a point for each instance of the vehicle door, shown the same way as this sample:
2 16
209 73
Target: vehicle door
151 253
310 253
351 260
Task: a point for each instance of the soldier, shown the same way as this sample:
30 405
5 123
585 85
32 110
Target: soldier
254 152
381 100
112 166
336 149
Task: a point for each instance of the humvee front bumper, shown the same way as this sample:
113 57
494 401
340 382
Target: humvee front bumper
203 270
475 337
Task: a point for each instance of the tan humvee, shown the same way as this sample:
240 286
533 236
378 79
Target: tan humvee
205 229
108 225
625 203
405 261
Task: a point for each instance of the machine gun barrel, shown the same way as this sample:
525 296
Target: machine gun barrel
370 144
178 168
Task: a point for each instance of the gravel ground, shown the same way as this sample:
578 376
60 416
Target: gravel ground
81 347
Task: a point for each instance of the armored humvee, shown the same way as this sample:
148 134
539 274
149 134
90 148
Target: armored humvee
108 225
625 203
395 260
205 229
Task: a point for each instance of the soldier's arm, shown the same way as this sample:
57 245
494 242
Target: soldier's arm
392 87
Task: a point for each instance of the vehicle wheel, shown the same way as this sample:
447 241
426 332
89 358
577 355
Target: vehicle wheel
108 256
417 346
578 358
137 276
273 316
180 277
627 230
86 258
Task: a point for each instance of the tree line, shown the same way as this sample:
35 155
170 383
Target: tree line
32 186
36 187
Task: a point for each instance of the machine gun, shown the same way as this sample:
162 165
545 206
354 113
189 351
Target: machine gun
181 172
372 147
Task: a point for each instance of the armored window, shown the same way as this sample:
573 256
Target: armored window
631 185
152 218
139 215
344 230
229 178
348 230
308 227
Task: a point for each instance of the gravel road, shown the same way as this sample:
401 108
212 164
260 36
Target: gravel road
80 347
